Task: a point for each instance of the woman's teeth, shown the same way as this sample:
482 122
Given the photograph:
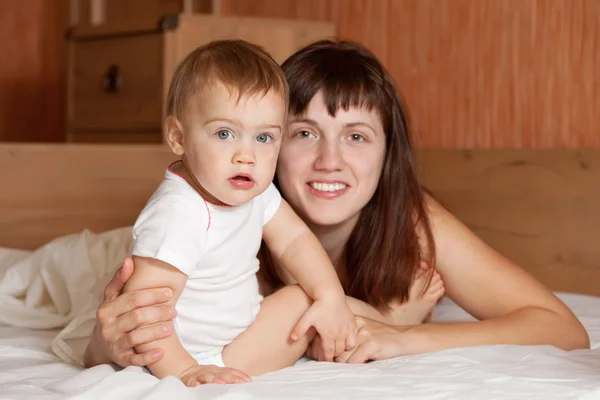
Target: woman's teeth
327 187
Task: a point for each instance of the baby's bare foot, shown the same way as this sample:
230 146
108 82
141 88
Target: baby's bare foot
420 303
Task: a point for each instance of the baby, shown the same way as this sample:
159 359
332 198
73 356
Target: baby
201 230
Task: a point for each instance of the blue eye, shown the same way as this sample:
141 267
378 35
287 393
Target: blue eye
224 134
264 138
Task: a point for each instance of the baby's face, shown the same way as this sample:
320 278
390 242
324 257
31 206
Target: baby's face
232 146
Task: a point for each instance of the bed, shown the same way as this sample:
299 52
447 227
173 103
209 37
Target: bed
64 215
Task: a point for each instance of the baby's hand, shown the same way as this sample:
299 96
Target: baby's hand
334 322
202 374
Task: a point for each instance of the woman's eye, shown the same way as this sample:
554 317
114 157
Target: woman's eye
355 137
304 134
224 134
263 138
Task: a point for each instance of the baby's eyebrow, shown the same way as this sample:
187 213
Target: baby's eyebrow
267 126
237 122
219 119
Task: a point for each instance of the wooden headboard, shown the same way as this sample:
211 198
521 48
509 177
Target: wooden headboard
48 190
539 208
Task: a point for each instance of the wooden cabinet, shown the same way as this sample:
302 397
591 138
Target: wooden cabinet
99 12
119 73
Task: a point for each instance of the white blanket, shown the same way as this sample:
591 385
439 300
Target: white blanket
60 285
48 300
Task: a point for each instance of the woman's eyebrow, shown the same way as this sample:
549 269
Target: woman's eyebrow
304 121
360 124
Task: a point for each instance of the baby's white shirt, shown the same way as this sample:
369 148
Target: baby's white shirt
216 247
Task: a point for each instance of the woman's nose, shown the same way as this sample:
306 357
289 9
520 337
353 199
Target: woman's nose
330 157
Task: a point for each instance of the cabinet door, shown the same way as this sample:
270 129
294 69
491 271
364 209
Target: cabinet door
116 83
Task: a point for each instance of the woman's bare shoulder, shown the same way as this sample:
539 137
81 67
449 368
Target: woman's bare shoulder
480 279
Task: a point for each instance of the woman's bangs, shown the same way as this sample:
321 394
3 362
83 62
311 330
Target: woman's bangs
339 93
351 94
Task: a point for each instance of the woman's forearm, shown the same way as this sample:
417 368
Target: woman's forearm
528 326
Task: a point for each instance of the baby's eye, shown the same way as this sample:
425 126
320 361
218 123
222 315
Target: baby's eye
264 138
224 134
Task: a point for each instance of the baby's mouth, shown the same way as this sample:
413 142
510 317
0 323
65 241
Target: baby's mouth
242 177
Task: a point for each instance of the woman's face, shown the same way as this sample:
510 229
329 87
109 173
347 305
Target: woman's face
329 167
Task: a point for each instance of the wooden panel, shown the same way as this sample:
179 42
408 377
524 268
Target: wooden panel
131 9
118 11
477 73
136 102
116 136
539 208
31 77
65 188
279 37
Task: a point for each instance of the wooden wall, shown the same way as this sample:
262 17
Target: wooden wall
477 73
538 208
31 75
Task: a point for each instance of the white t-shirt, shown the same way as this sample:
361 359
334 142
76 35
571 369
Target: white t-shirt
216 247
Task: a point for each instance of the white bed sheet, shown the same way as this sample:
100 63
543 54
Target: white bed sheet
29 370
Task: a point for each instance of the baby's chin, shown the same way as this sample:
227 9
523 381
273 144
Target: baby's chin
237 199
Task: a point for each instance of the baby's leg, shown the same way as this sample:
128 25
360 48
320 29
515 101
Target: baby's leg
414 311
266 346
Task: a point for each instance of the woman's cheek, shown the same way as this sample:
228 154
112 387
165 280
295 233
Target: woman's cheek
289 173
291 158
363 163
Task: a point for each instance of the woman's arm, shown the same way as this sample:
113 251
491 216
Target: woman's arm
512 306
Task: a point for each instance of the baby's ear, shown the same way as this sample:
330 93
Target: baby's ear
174 134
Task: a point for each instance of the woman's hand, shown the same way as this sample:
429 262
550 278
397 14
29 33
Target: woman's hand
127 320
376 341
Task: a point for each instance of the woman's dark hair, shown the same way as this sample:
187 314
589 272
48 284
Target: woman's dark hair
383 251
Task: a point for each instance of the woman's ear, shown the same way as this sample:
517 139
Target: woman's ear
174 134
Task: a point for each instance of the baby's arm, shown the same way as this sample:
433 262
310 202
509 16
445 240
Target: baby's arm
151 273
176 361
299 252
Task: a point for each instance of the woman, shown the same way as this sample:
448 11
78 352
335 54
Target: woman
347 168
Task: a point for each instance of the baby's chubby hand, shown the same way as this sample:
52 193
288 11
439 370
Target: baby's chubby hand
335 323
203 374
